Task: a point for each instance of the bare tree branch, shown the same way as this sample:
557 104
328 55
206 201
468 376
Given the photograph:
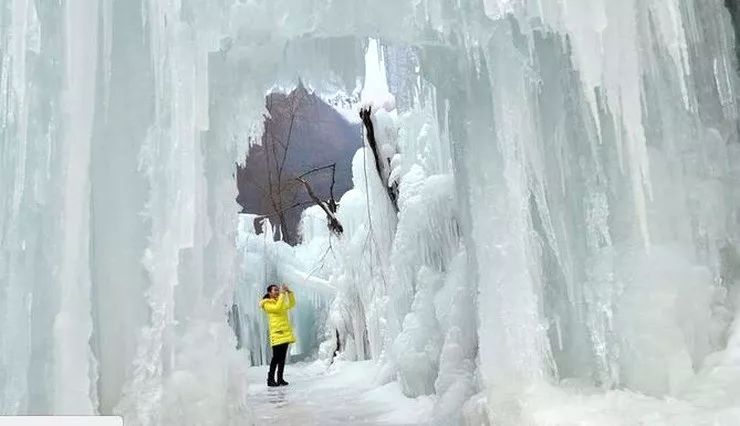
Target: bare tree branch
287 143
332 201
317 169
333 222
294 205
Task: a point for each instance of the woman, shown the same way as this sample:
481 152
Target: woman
276 304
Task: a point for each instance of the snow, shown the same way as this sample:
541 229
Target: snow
343 393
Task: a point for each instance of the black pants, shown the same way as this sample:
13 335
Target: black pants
279 352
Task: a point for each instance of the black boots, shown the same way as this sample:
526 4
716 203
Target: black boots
271 383
277 363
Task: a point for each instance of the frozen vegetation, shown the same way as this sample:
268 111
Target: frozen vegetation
550 236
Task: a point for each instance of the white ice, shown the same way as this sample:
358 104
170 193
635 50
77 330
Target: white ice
341 394
565 248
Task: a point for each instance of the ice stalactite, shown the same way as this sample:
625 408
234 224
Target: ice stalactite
47 125
29 178
188 265
75 370
113 280
120 193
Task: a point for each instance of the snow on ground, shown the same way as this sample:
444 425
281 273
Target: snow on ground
344 394
558 406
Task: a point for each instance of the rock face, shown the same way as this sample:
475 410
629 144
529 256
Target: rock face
302 133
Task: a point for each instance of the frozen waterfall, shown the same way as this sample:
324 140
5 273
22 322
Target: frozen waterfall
562 247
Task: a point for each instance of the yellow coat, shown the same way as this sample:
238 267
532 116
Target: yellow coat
277 316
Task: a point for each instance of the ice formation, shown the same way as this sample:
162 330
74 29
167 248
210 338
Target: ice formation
305 268
565 248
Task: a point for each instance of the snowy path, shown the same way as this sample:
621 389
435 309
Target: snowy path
344 395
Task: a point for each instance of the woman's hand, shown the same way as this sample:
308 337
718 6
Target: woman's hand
285 289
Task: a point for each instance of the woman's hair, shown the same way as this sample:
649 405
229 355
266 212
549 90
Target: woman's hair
269 287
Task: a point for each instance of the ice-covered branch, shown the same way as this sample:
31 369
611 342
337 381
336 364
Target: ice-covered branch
332 221
392 188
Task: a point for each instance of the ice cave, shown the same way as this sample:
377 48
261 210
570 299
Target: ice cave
493 212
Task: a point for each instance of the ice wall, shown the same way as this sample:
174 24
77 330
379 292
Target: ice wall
45 154
612 207
117 218
597 141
